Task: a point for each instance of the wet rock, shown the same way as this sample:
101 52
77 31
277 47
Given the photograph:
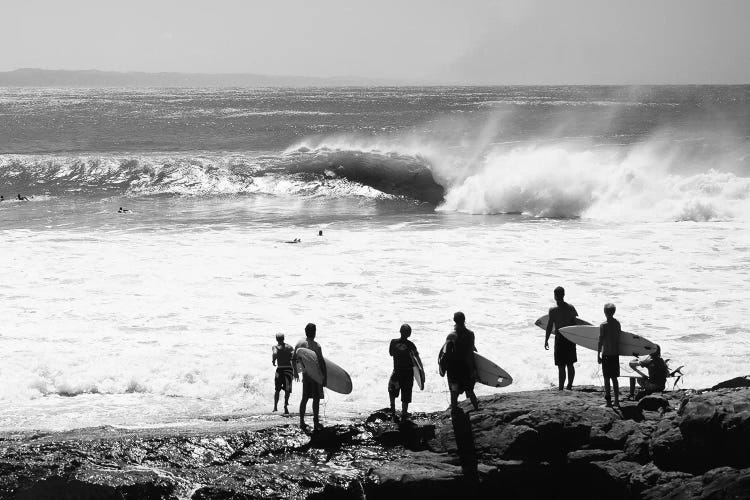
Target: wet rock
518 445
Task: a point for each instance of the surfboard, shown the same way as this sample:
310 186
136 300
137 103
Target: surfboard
418 371
488 373
337 378
542 322
588 336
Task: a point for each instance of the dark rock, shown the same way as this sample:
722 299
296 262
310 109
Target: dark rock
653 402
588 456
724 483
733 383
518 445
56 488
419 475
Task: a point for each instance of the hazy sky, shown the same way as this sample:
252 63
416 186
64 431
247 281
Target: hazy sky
468 41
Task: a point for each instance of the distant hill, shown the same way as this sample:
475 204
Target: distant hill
32 77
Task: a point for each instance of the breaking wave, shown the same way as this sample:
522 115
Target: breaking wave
662 180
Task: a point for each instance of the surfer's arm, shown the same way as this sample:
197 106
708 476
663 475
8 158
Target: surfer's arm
599 345
274 355
548 332
294 364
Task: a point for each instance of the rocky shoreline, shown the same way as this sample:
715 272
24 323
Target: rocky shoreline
535 444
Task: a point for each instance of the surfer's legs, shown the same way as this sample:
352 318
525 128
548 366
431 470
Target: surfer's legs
571 375
316 412
454 399
302 409
607 396
560 377
616 390
286 401
473 398
276 400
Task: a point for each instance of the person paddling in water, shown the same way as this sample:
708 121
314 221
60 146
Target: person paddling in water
608 353
560 316
403 352
281 358
310 388
458 361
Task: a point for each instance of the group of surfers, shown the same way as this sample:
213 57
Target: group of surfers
457 362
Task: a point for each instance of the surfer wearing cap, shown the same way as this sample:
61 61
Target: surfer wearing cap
281 358
458 361
608 351
310 388
656 380
404 353
560 316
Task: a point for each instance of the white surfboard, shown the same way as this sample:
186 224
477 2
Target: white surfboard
337 378
488 373
542 322
418 371
588 336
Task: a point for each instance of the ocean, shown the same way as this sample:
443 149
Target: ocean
431 200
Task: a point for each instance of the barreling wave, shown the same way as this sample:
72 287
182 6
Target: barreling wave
656 180
298 173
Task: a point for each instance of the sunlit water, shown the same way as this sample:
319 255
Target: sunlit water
167 314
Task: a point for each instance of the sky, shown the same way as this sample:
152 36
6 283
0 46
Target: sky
417 41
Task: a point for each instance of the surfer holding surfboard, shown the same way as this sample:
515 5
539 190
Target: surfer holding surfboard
406 368
608 353
310 387
560 316
457 360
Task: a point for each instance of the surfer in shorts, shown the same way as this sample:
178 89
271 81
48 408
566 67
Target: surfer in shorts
402 379
281 358
608 353
310 388
458 361
562 315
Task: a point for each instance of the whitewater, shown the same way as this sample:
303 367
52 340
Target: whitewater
431 200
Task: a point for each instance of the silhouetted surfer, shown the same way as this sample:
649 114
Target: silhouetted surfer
656 380
310 388
402 379
608 353
281 357
22 198
560 316
123 211
458 361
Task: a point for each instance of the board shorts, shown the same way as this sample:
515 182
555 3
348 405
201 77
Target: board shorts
283 378
650 387
311 389
403 381
565 351
611 366
460 379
